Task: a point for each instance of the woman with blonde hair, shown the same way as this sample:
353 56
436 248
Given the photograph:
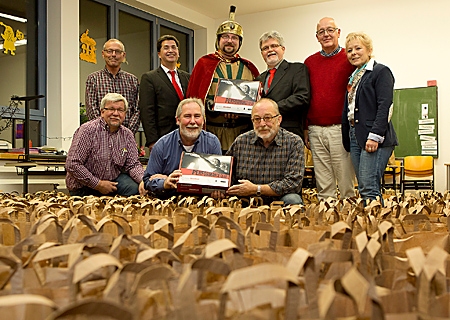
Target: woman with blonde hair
367 130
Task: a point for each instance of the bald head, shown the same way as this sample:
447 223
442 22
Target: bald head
325 20
327 33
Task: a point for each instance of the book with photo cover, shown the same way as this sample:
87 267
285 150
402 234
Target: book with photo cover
236 96
204 173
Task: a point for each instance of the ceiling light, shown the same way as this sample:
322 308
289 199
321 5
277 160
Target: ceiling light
10 17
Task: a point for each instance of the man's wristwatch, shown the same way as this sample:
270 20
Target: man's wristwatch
258 190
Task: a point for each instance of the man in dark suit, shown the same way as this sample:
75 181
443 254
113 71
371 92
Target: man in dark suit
284 82
161 91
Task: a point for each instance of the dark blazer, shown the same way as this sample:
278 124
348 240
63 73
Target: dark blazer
373 100
158 102
290 89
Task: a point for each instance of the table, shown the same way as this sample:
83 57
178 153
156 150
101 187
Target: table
33 171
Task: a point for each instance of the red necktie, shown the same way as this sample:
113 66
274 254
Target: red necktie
175 85
272 73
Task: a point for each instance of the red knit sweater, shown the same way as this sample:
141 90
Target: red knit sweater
328 77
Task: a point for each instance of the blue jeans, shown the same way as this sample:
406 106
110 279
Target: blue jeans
289 198
125 187
369 167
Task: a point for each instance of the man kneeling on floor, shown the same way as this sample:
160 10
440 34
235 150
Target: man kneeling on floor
103 158
162 173
270 160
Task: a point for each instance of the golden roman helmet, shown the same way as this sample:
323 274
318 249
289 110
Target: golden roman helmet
230 26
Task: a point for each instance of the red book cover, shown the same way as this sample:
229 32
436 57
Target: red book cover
204 173
236 96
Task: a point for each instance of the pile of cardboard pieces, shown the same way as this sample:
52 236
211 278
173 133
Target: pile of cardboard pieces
200 258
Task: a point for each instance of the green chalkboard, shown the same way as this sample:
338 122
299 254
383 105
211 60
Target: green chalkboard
415 118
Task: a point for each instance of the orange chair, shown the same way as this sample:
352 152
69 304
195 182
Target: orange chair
418 173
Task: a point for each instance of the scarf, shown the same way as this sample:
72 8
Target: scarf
354 81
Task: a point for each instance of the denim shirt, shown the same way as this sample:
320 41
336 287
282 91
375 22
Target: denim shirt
166 154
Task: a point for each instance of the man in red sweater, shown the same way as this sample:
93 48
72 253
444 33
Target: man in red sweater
329 71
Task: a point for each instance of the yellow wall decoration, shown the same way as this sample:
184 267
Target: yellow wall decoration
9 39
88 48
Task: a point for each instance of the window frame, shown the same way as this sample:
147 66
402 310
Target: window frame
36 71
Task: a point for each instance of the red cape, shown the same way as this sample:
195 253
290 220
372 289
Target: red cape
203 72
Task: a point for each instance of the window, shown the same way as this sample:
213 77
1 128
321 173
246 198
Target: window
135 33
23 66
94 18
184 39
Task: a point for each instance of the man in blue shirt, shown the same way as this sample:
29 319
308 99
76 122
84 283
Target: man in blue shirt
162 174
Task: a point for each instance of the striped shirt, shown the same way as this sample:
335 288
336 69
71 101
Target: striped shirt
281 165
101 82
236 70
97 154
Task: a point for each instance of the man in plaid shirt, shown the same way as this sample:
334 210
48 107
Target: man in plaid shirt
113 79
103 158
270 160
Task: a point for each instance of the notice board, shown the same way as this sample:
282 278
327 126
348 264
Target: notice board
415 118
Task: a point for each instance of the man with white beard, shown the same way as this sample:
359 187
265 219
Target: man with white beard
162 174
270 160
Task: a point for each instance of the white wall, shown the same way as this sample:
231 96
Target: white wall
63 85
409 36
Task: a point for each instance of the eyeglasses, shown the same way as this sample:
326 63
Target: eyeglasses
230 37
267 119
272 46
329 30
111 51
112 110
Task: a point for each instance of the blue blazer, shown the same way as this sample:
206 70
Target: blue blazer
372 102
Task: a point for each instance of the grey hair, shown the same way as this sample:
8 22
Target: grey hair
190 100
115 40
271 35
113 97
